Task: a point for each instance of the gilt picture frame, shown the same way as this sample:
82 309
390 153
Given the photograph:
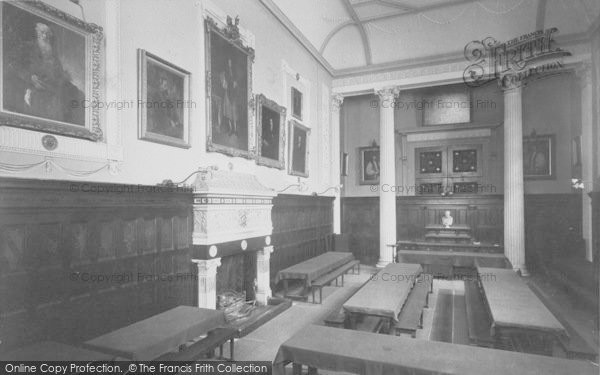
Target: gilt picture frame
230 103
299 149
163 101
270 129
56 92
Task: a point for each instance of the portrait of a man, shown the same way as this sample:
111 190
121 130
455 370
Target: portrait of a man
44 68
537 157
164 101
296 103
370 167
230 68
270 134
299 149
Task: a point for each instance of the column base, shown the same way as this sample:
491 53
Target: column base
262 298
382 263
522 270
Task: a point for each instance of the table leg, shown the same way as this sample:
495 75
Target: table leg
285 287
221 351
297 369
352 320
312 370
231 349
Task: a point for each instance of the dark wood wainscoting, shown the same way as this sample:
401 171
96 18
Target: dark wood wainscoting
595 225
484 214
302 229
79 259
553 221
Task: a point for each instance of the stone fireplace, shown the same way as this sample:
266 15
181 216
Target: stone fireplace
232 235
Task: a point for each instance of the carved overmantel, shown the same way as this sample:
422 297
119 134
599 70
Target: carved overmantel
232 211
232 215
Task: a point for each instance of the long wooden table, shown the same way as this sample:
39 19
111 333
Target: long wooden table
385 293
54 351
514 308
313 268
159 334
364 353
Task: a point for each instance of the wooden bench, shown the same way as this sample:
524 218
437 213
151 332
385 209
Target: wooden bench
206 346
336 319
411 316
333 275
478 319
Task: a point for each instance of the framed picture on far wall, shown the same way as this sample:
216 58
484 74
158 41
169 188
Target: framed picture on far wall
164 101
299 137
297 103
369 165
538 157
230 125
270 120
51 70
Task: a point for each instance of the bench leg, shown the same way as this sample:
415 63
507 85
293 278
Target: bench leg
342 279
231 347
336 281
320 296
313 295
285 288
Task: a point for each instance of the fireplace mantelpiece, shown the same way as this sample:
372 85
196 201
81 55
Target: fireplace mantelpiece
232 215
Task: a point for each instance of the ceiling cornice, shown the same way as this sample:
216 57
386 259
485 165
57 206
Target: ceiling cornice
297 34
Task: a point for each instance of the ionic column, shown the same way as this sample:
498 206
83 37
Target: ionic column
207 282
387 176
263 274
336 103
587 151
514 199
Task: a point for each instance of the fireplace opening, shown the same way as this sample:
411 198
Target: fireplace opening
236 285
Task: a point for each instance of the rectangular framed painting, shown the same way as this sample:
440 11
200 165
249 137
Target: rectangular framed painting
538 157
270 120
51 70
297 103
299 137
369 165
163 101
229 90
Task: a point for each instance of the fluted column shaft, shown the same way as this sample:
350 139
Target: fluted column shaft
514 201
336 103
387 179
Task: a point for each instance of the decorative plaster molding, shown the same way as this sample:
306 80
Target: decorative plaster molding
434 136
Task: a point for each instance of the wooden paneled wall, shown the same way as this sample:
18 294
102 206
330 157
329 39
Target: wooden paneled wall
548 218
596 225
79 259
302 229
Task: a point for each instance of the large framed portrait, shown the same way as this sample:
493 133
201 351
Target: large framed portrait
163 101
270 120
51 69
369 165
298 165
229 90
538 157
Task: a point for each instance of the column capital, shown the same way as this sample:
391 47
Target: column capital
207 267
584 73
336 101
511 82
387 93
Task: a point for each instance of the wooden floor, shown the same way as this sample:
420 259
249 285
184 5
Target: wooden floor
449 323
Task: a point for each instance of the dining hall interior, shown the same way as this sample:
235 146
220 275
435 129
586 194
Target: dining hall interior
333 186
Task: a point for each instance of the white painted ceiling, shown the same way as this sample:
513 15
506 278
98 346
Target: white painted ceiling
359 35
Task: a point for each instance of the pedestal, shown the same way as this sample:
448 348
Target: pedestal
263 275
207 282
